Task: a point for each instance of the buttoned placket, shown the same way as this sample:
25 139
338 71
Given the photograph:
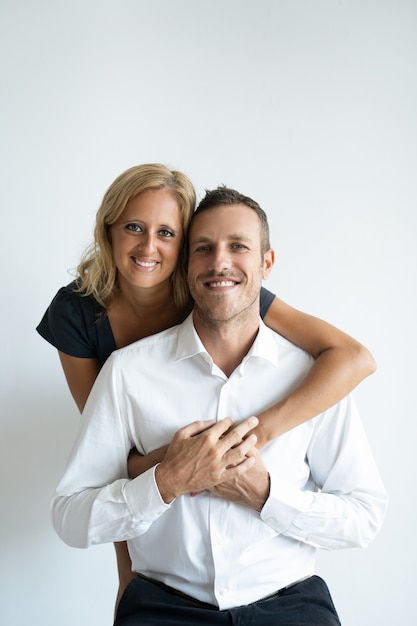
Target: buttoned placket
220 542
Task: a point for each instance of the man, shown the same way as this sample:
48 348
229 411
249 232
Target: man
218 532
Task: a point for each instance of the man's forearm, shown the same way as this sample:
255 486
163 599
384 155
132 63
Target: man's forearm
121 510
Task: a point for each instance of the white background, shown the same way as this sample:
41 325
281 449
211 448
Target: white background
309 106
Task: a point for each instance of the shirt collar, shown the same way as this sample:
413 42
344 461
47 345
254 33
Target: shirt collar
264 346
190 344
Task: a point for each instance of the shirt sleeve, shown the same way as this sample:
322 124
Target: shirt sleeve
349 504
95 501
66 323
265 301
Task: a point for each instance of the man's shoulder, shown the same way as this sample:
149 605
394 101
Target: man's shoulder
158 341
161 346
283 345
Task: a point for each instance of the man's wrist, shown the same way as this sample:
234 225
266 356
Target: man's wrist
165 485
265 494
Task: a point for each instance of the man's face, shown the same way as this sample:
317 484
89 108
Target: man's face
226 267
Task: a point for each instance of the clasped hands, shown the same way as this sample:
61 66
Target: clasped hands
217 456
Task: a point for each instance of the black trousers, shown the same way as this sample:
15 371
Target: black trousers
145 603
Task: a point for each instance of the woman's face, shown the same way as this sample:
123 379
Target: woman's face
147 239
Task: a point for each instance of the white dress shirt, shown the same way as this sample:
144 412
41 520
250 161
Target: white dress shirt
325 492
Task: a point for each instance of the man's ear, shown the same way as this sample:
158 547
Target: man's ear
268 263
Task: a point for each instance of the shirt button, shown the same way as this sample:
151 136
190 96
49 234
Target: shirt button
269 520
223 591
220 541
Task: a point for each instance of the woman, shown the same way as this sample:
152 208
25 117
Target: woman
131 284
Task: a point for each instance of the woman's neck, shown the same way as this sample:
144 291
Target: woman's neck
145 301
138 313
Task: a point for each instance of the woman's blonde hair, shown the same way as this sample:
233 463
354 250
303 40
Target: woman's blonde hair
97 274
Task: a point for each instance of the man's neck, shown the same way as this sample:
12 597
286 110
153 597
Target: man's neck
227 342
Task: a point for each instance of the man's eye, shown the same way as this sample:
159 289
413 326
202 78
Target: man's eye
238 246
202 249
134 228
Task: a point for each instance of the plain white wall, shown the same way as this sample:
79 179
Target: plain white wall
310 107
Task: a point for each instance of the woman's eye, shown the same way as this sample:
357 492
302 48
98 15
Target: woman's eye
166 233
134 228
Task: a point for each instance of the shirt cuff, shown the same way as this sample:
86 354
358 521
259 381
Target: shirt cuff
284 504
143 498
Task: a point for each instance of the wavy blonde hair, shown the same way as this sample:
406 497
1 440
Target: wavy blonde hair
97 273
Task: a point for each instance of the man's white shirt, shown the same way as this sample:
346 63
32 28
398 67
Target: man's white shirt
326 491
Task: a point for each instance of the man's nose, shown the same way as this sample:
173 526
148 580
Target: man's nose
220 260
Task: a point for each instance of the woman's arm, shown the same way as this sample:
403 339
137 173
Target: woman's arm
137 464
80 375
341 364
124 568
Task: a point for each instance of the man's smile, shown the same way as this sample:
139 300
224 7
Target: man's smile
221 283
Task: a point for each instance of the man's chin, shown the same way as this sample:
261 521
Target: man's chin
220 315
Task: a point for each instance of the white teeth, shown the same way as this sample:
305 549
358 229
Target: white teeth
145 263
223 283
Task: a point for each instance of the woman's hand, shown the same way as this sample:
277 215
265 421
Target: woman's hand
137 463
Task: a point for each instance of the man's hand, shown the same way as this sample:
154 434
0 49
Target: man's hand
250 489
204 454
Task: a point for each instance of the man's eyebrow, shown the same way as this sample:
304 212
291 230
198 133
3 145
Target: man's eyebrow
200 239
231 237
240 237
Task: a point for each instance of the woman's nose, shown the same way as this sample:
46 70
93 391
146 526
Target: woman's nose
147 242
